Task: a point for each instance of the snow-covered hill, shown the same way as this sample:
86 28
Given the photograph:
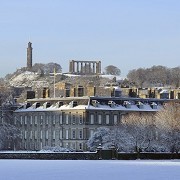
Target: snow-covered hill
24 79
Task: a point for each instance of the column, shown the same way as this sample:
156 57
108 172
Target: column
72 66
77 67
99 67
85 68
90 68
81 67
93 68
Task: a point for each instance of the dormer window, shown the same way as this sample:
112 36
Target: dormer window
95 103
127 104
153 105
111 104
140 105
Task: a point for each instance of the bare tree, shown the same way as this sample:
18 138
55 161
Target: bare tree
175 76
137 77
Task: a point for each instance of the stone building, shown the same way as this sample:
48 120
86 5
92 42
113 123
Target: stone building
69 122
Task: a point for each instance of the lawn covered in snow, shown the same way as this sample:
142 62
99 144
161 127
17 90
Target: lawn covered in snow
89 170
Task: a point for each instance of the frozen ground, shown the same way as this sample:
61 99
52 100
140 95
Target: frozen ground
89 170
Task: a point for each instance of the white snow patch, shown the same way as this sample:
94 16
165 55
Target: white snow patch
89 170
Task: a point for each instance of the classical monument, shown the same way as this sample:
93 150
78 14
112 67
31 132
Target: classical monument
85 67
29 56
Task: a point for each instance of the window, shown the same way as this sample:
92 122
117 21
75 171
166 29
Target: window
60 119
74 119
47 134
60 134
80 134
41 145
35 134
73 146
25 134
25 120
73 134
67 134
35 120
99 118
80 146
54 134
31 120
54 120
107 118
41 135
115 119
67 118
31 134
80 119
92 119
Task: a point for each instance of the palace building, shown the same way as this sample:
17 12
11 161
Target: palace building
70 121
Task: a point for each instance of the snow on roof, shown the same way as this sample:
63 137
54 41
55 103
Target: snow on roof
164 91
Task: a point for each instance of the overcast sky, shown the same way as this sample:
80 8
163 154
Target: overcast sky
126 33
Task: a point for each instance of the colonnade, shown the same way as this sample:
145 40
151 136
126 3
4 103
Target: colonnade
85 67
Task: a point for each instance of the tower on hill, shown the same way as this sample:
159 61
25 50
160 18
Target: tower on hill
29 56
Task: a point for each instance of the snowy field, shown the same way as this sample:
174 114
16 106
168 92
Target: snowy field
89 170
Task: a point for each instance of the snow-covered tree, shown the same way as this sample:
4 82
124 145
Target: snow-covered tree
8 132
100 136
168 126
140 130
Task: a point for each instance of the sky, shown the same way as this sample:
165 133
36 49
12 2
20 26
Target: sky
128 34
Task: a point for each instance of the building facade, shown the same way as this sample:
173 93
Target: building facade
70 122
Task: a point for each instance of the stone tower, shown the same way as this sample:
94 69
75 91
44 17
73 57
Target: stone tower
29 56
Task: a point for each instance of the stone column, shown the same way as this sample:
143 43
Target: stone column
90 68
72 66
81 67
77 67
93 68
99 67
85 67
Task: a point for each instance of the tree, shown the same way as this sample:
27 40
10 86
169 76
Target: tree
8 132
168 126
112 70
175 76
100 136
140 128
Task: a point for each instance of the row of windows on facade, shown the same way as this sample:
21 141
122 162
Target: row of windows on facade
69 134
24 120
36 146
49 119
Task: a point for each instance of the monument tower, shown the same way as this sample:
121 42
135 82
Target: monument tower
29 56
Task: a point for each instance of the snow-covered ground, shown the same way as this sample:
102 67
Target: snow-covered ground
89 170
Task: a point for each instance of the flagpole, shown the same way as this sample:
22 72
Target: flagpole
54 82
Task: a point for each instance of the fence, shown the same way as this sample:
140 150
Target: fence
100 154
